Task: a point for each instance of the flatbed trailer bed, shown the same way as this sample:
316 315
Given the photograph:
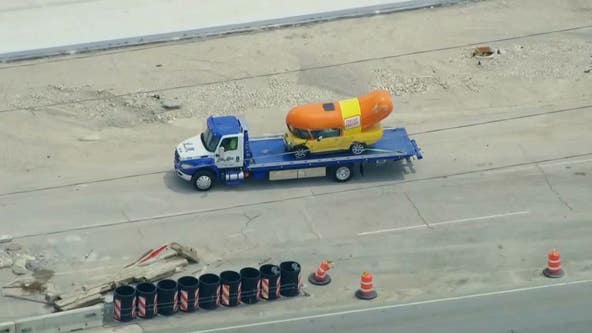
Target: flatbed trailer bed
269 153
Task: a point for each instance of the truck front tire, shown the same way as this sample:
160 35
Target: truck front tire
300 152
203 180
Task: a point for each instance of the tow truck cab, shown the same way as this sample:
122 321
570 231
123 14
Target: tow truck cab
217 153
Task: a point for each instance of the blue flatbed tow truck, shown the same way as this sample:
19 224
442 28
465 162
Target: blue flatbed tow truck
224 153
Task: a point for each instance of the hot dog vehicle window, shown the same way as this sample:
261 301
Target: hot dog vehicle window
339 118
299 133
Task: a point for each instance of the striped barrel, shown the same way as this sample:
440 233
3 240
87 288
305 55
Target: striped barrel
553 269
188 293
230 288
124 303
146 294
366 290
320 276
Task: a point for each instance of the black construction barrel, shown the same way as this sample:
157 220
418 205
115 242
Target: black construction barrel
270 281
188 293
124 303
250 285
209 291
167 299
230 288
290 278
146 295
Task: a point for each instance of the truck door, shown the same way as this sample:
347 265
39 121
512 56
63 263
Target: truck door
230 152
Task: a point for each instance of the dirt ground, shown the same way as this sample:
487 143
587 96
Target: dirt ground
63 117
120 113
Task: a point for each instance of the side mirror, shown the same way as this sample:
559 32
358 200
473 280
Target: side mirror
319 138
220 151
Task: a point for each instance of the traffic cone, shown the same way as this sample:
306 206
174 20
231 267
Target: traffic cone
553 269
366 290
320 277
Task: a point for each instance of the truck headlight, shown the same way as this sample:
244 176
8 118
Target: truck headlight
186 166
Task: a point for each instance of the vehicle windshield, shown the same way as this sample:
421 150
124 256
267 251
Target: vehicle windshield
209 140
299 133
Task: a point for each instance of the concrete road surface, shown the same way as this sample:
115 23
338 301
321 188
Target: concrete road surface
556 308
86 183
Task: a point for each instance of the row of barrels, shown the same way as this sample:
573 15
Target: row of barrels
208 291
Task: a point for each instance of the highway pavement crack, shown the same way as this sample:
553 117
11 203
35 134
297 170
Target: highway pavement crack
246 224
557 194
418 211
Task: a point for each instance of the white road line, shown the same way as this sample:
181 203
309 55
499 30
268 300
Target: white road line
566 162
423 226
393 306
543 164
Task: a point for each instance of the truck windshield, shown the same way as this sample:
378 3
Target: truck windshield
209 140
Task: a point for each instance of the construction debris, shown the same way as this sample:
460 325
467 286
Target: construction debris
170 104
19 264
483 52
154 265
5 260
5 238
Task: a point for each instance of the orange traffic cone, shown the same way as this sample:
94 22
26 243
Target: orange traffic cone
366 290
320 277
553 269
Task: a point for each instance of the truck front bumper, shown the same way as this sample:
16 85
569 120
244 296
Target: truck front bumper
183 175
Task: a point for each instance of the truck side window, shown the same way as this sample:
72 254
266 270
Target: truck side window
229 144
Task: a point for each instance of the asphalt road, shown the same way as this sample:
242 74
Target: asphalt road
564 308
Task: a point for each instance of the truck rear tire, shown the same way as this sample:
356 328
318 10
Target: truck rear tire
203 180
357 148
342 173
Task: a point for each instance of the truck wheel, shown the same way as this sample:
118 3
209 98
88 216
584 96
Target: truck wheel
203 180
300 152
342 173
357 148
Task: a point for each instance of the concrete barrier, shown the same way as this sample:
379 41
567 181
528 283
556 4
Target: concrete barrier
7 327
66 321
199 21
